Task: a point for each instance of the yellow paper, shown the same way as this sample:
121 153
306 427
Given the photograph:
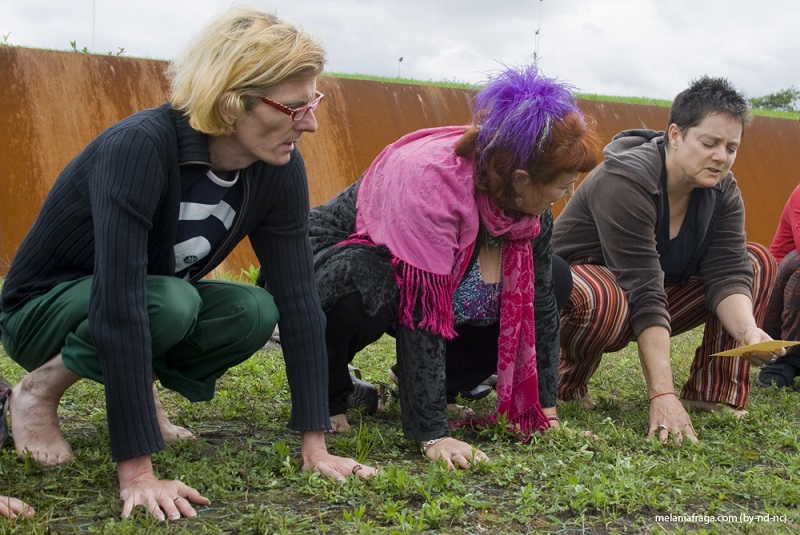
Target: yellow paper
761 346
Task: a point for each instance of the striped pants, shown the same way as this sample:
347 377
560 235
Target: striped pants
596 321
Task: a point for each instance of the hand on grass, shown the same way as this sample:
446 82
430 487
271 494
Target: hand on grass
668 418
335 467
13 508
138 486
455 452
317 459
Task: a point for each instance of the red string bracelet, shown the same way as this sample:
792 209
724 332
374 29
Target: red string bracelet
662 394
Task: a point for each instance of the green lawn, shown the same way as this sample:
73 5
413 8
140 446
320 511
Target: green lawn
247 463
645 101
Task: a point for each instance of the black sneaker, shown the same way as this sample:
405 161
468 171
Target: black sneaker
479 392
780 373
364 397
482 390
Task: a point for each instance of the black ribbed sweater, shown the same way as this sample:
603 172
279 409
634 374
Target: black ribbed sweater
112 213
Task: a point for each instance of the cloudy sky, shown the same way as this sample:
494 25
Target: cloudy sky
641 48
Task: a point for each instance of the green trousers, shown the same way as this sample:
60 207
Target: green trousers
199 330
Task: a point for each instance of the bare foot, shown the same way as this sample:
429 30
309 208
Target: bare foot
13 508
339 423
557 427
587 402
34 426
459 412
711 406
169 431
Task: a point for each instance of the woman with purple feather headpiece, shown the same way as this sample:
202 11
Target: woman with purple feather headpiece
444 243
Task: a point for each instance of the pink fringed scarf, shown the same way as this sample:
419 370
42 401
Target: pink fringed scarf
517 377
418 200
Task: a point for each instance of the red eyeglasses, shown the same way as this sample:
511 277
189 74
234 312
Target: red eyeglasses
295 113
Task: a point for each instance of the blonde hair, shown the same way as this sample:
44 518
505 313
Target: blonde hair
245 52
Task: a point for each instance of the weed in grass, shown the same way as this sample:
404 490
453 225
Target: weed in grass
356 521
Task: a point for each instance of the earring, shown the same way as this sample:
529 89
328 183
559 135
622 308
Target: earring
519 202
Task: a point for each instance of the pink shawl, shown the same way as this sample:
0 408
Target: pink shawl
418 200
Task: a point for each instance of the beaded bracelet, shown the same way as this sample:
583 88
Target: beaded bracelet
553 418
662 394
423 446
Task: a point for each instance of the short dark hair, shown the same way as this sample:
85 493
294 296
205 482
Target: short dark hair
705 96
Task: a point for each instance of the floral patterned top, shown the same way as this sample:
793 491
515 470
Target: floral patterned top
476 302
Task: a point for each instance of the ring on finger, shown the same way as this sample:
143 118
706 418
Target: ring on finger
662 427
356 468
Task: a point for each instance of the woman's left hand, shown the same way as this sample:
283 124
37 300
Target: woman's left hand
455 452
754 335
552 416
317 459
335 467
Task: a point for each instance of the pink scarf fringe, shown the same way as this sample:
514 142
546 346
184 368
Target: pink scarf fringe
434 295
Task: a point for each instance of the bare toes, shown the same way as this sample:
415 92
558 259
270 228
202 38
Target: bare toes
339 423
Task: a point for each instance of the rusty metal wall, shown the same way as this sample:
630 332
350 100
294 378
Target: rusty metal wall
53 103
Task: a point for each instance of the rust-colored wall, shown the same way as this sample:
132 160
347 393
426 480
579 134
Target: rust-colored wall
53 103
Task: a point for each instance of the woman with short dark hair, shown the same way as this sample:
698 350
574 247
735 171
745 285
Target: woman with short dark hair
655 236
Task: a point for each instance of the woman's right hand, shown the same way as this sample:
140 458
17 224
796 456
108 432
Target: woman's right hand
454 452
138 486
668 417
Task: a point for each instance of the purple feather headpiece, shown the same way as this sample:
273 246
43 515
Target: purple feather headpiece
516 109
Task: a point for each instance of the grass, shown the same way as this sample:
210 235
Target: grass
247 463
644 101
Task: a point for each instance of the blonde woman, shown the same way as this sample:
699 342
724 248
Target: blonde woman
108 284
